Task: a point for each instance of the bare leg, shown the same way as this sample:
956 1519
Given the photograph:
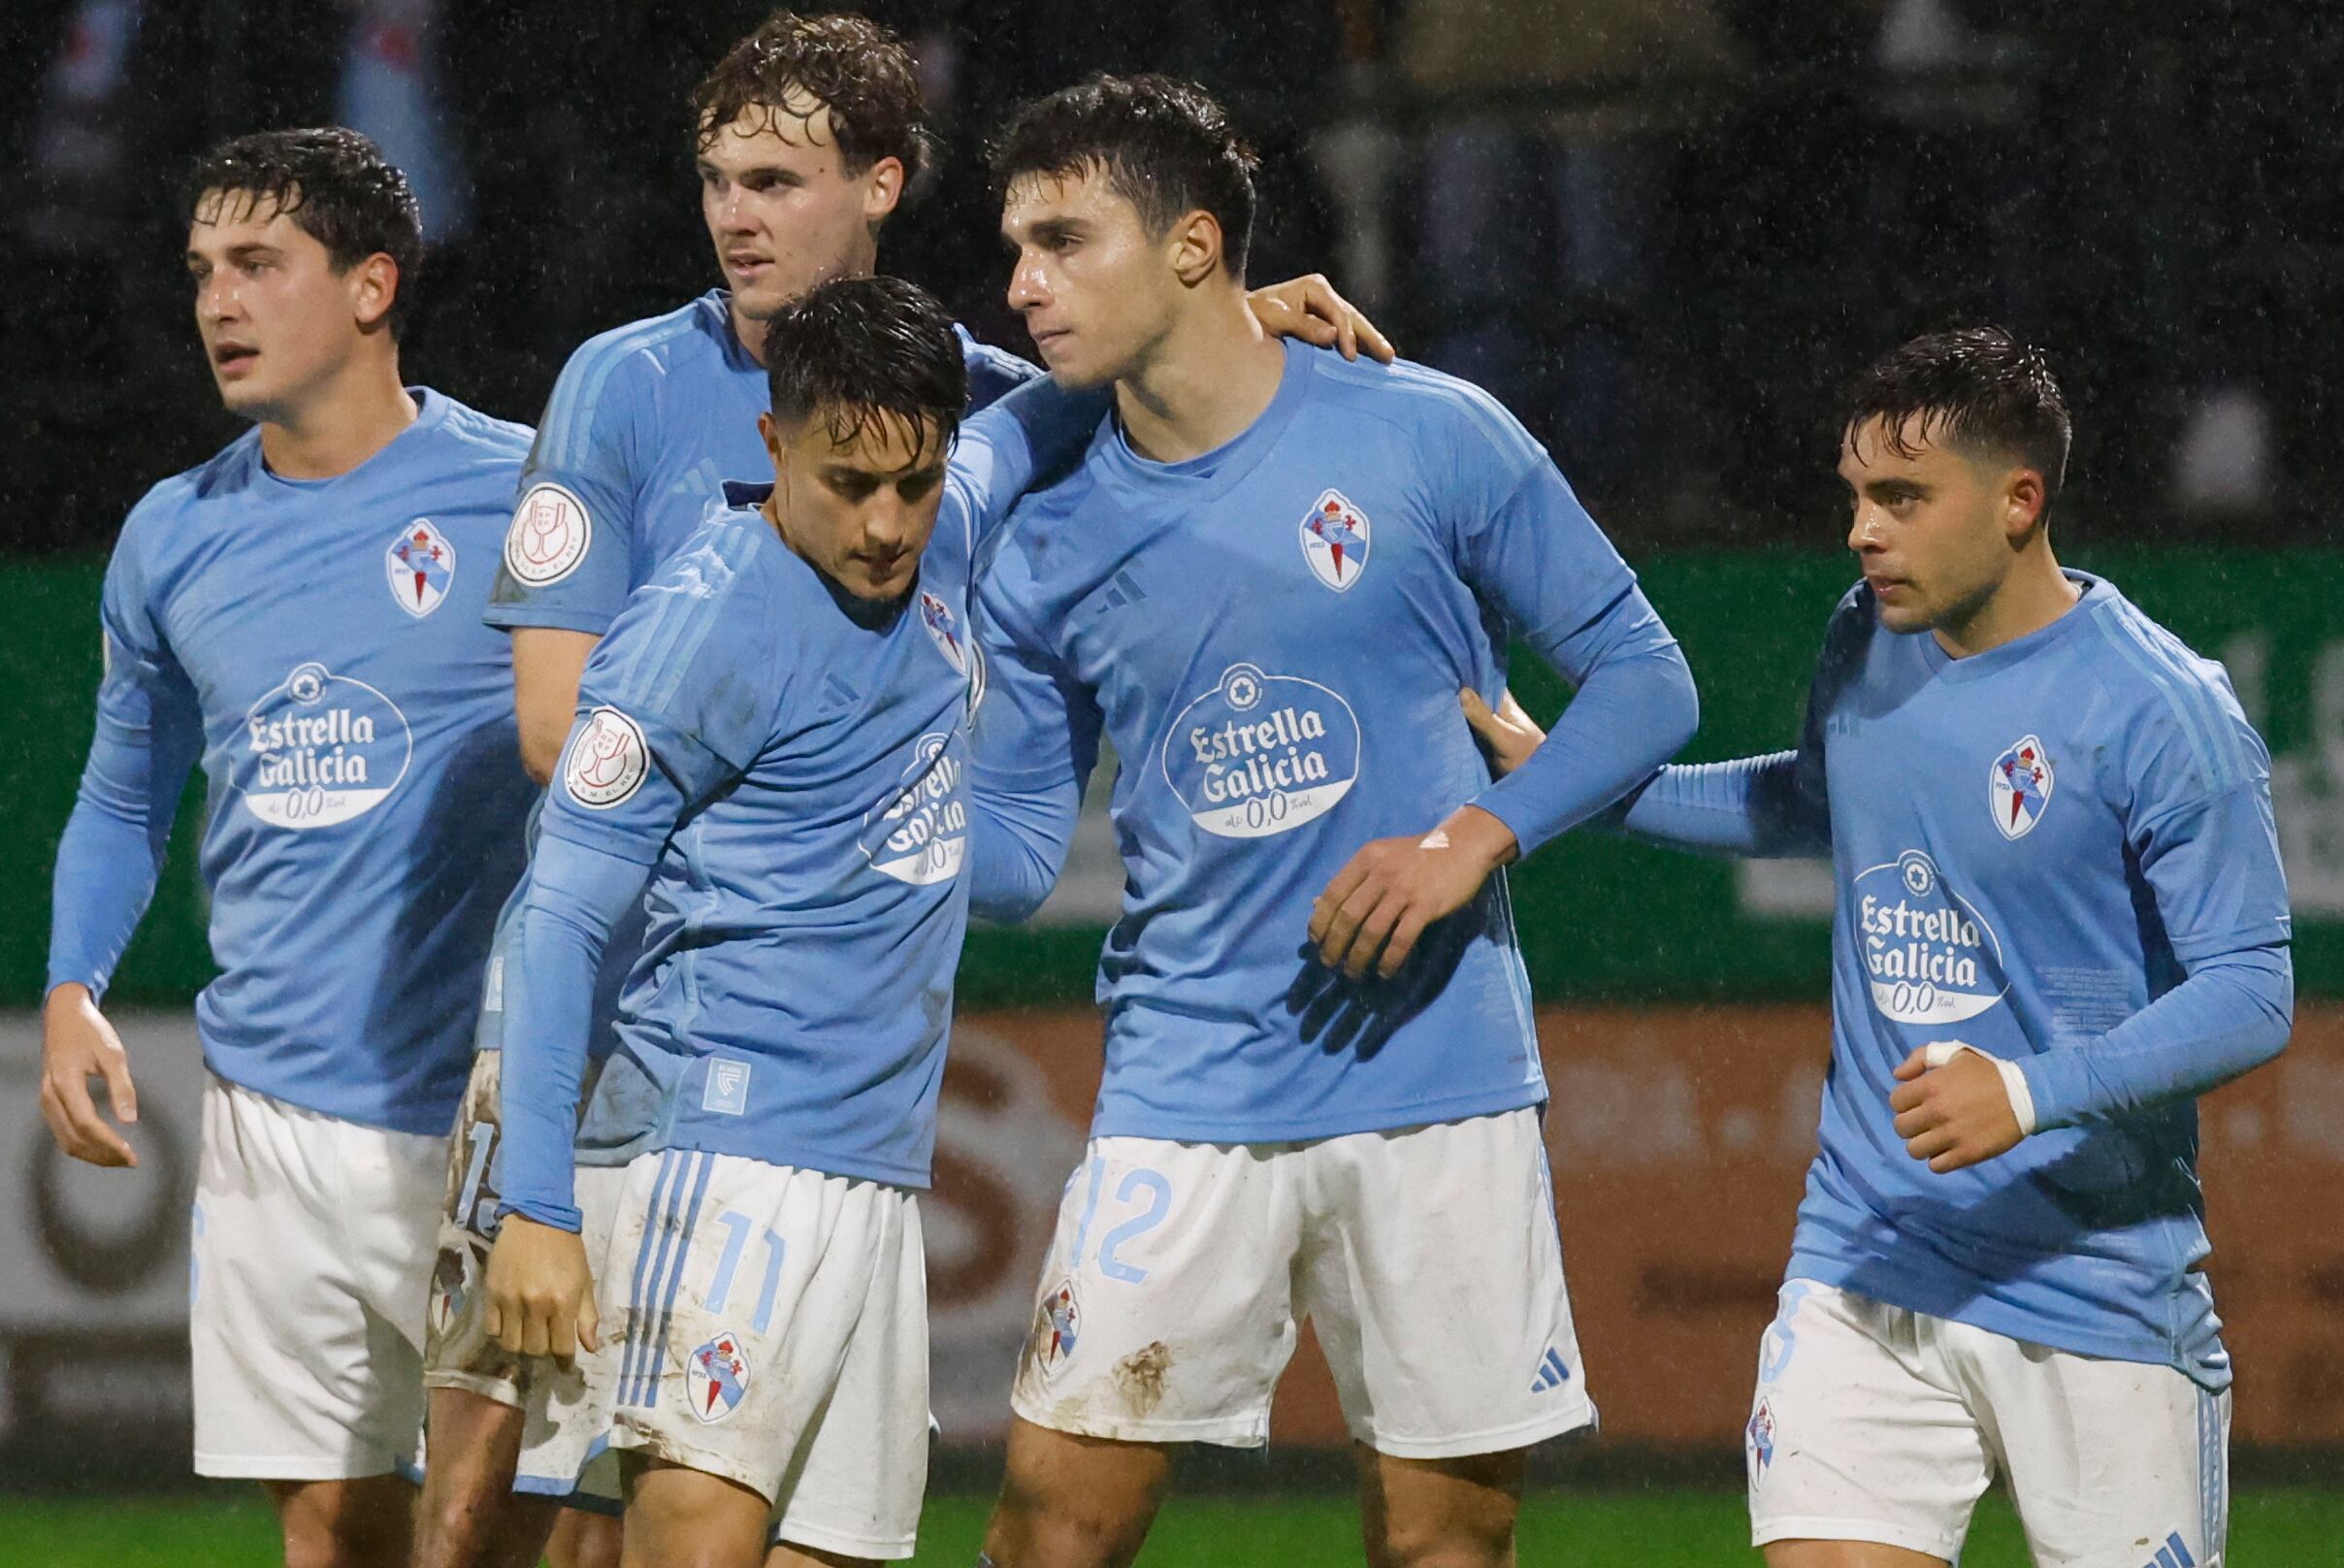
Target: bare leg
583 1540
1845 1554
1075 1502
369 1523
470 1517
679 1517
1438 1513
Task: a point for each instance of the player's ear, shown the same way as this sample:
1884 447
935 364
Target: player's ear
1195 241
373 289
882 189
2024 498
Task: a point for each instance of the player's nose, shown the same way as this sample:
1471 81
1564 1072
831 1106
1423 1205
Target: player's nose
1026 289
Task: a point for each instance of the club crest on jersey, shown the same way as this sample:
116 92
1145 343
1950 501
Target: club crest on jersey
548 537
1334 541
2019 787
1057 1326
421 563
607 761
937 616
716 1378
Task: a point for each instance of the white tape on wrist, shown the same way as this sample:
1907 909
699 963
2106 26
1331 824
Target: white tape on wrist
1937 1052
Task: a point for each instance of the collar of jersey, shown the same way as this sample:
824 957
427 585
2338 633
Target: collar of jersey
1208 475
718 322
2096 592
430 413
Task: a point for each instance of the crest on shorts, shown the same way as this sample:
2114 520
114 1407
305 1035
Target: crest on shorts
548 536
937 616
1056 1326
2019 787
422 564
1334 541
716 1378
1761 1433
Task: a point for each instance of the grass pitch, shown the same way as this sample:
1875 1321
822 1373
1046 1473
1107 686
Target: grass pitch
2275 1528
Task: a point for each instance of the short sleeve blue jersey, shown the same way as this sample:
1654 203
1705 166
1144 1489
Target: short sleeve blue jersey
2032 845
1273 636
646 424
319 644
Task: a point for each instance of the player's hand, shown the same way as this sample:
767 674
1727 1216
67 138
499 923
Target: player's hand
1956 1115
541 1291
1310 309
1377 906
1506 736
76 1045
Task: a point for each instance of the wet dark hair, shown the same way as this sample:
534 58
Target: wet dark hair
1164 145
859 353
336 185
860 71
1976 389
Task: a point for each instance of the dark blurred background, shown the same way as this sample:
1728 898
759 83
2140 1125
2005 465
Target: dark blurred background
1663 231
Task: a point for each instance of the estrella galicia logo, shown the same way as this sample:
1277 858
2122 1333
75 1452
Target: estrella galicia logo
716 1378
1261 754
2019 787
320 749
1929 956
919 834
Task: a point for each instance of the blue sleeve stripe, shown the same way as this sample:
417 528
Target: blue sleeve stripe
1504 432
2214 749
666 649
578 394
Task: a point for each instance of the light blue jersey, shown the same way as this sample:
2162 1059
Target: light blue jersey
1274 635
646 424
2060 851
318 645
785 765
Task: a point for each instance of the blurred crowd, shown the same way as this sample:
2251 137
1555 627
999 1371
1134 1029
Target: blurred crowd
1663 231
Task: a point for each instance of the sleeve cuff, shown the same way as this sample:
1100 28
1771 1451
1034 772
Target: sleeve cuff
558 1215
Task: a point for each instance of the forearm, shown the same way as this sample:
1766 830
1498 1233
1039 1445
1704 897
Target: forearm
2232 1015
576 896
1017 844
1752 805
1631 715
548 662
109 857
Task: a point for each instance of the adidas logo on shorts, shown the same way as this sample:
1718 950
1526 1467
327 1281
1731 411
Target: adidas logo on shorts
1551 1373
2172 1555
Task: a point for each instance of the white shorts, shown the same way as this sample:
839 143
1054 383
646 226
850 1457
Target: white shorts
1874 1422
1427 1258
313 1241
760 1323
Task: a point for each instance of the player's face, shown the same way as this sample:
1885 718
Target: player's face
782 210
278 318
1929 529
859 512
1097 291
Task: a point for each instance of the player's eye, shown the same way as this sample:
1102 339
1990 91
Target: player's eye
917 486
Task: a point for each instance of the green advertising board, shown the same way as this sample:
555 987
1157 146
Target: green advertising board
1600 919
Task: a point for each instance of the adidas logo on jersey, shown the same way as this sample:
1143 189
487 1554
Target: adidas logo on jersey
1552 1373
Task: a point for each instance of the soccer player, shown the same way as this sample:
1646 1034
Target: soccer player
301 614
773 733
2061 918
809 131
1267 583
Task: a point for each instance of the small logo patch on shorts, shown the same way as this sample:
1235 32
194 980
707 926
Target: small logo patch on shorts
1762 1437
716 1378
1056 1326
727 1091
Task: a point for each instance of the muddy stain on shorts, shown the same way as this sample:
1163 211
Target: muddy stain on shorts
1139 1377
